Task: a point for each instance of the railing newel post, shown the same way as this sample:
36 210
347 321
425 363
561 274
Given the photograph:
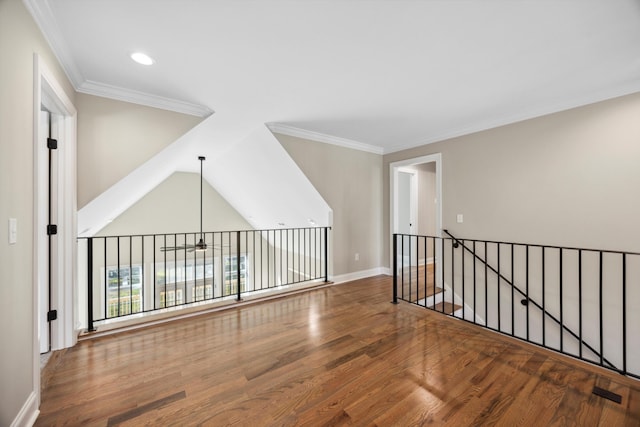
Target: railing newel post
395 269
239 298
90 327
326 254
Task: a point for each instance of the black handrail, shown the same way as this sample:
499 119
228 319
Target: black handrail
603 266
529 299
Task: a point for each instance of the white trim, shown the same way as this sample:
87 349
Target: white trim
48 92
65 124
28 413
321 137
356 275
136 97
45 19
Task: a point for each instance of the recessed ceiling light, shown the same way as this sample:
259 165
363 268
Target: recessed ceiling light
142 58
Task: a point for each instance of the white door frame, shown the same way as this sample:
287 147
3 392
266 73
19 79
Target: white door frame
413 202
49 93
398 166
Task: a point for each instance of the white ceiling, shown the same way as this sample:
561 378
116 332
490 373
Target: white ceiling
381 75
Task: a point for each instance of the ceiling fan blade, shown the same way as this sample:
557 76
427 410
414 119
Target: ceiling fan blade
176 248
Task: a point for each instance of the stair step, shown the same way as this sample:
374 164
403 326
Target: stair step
418 294
449 308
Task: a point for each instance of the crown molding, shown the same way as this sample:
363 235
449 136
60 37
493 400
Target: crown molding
41 12
531 113
136 97
324 138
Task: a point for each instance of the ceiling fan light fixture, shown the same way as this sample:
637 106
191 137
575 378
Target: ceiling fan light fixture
201 246
142 58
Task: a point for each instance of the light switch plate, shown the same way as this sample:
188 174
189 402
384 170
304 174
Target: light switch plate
13 231
459 218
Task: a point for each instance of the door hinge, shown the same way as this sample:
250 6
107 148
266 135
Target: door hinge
52 315
52 229
52 144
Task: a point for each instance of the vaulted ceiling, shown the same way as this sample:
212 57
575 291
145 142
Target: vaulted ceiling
385 74
376 75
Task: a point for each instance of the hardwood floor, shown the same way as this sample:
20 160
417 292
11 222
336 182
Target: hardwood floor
341 355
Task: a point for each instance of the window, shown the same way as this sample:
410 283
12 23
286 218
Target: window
124 290
231 274
174 277
171 298
183 272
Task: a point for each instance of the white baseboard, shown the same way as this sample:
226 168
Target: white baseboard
360 275
29 412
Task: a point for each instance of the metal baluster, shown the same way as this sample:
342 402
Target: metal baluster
600 310
527 288
90 327
475 263
395 268
624 313
119 283
453 273
326 254
402 266
486 287
499 276
561 308
544 334
426 269
238 298
580 302
130 275
435 265
463 281
513 298
142 276
410 267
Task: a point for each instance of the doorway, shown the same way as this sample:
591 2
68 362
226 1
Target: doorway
47 175
416 201
59 123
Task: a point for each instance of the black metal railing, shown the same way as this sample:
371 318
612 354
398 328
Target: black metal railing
579 302
134 274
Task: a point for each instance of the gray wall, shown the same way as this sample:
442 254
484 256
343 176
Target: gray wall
19 40
351 183
174 207
569 178
116 137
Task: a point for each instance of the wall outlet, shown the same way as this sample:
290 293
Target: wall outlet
357 257
13 231
459 218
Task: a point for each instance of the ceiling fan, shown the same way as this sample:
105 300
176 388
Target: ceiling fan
201 246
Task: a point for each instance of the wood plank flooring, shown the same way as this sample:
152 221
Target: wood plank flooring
341 355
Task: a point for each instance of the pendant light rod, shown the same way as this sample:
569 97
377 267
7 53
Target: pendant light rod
201 158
